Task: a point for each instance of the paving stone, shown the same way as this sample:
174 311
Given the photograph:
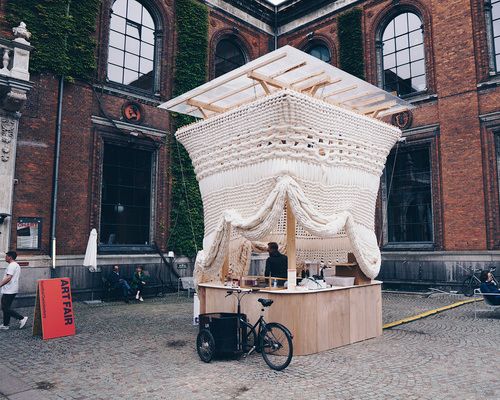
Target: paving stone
147 351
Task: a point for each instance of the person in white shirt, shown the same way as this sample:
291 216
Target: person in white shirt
9 287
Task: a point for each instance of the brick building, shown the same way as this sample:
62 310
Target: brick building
439 197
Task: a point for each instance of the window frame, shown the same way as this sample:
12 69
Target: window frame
423 245
115 140
318 42
237 43
379 54
493 68
157 53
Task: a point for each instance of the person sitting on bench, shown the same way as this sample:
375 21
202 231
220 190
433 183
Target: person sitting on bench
138 282
117 282
488 285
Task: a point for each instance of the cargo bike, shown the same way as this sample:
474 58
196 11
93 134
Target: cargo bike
231 334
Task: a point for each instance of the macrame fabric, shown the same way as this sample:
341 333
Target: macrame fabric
325 159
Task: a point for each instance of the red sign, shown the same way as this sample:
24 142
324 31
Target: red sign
56 308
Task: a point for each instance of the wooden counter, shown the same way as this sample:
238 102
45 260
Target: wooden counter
318 319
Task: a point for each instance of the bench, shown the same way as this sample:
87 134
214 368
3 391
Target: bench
487 302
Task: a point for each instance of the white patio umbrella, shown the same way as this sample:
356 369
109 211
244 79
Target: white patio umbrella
90 259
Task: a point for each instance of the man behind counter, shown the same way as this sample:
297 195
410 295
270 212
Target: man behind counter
276 263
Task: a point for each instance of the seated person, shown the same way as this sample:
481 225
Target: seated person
138 282
488 285
117 282
276 263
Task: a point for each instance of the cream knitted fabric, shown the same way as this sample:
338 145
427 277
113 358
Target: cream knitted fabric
327 160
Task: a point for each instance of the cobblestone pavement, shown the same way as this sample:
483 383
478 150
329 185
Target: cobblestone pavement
147 351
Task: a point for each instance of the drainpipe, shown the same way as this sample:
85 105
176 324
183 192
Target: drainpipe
275 27
53 219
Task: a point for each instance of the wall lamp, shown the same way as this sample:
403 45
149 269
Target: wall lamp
3 216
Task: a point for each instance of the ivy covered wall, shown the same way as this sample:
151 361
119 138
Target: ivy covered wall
62 34
186 228
350 35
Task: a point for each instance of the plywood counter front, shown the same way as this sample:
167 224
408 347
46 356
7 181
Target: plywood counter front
318 319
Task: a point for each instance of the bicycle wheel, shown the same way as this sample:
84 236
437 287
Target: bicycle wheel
276 346
205 345
248 337
469 284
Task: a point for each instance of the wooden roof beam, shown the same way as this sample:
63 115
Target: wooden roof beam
379 107
206 106
340 91
267 80
313 87
371 100
305 78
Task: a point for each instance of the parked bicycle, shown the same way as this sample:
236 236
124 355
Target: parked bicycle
272 340
473 282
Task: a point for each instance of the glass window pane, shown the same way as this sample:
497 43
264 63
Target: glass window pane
402 42
228 56
148 36
498 62
126 196
115 73
495 11
403 57
134 11
146 66
147 51
400 24
116 39
321 52
418 68
115 56
147 20
404 71
496 27
132 61
389 46
416 37
413 22
389 31
417 52
389 61
132 45
129 76
120 7
409 209
117 23
133 30
497 45
418 83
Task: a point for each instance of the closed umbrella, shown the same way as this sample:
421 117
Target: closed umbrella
90 259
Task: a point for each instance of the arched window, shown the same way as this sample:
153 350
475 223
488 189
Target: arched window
228 56
131 59
403 57
321 51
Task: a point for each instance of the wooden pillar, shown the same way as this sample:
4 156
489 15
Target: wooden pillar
290 237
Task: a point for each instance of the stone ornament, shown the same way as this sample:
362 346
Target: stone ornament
22 33
7 126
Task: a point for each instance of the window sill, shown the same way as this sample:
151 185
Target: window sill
127 92
408 246
490 83
420 97
125 249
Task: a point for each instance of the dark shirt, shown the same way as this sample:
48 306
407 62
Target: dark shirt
277 266
114 278
490 287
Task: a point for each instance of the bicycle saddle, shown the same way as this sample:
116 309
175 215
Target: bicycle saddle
265 302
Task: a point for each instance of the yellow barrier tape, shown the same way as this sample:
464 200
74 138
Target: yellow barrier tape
428 313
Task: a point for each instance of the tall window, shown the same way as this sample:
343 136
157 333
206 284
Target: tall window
131 45
126 196
320 51
403 58
409 196
495 21
228 56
